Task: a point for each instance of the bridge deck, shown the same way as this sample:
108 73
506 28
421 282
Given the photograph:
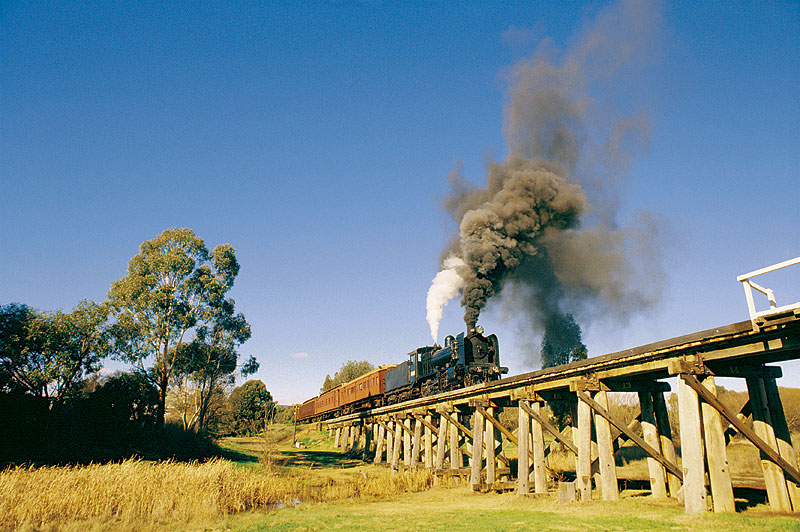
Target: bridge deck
726 351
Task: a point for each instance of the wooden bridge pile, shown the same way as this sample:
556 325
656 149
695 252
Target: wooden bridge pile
458 433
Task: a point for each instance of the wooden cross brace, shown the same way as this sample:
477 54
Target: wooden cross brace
501 428
594 405
550 428
424 421
455 422
748 433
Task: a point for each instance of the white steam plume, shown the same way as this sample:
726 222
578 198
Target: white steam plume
445 286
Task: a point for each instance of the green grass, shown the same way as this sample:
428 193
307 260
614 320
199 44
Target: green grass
459 509
321 473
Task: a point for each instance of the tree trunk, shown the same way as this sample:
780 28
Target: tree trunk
161 411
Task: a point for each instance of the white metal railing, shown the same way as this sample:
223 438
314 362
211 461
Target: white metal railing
750 285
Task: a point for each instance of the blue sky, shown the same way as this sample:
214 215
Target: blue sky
317 140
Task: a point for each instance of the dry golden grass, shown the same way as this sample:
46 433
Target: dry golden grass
135 493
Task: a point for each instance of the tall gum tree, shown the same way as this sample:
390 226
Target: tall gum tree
173 286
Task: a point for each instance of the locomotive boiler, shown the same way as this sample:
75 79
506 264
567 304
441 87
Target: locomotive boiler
465 360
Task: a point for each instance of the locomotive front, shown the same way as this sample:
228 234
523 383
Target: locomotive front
464 360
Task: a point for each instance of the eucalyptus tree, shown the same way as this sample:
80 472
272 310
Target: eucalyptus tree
174 287
48 354
205 366
349 371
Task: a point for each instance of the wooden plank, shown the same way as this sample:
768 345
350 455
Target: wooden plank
631 435
658 482
456 459
744 413
718 470
426 421
398 439
417 442
777 491
456 423
583 466
490 445
694 489
781 428
405 426
429 430
608 469
487 416
551 429
346 444
751 435
337 439
389 441
537 442
440 443
667 445
407 435
380 441
367 441
523 459
476 461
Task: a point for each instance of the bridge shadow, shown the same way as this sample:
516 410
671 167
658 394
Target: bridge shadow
235 456
317 459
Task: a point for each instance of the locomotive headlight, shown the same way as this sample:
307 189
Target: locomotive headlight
479 329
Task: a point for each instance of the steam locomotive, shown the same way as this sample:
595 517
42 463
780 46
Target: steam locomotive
465 360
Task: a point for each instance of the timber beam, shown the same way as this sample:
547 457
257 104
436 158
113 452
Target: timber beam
671 467
746 431
550 428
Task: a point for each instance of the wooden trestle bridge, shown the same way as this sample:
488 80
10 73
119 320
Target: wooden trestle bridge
458 432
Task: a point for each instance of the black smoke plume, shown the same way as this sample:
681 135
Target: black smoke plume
544 225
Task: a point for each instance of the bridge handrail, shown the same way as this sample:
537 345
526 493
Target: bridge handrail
750 285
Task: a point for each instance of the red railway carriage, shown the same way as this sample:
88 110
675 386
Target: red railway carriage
367 389
328 401
306 410
368 385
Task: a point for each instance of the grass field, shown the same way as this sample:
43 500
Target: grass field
459 509
250 492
